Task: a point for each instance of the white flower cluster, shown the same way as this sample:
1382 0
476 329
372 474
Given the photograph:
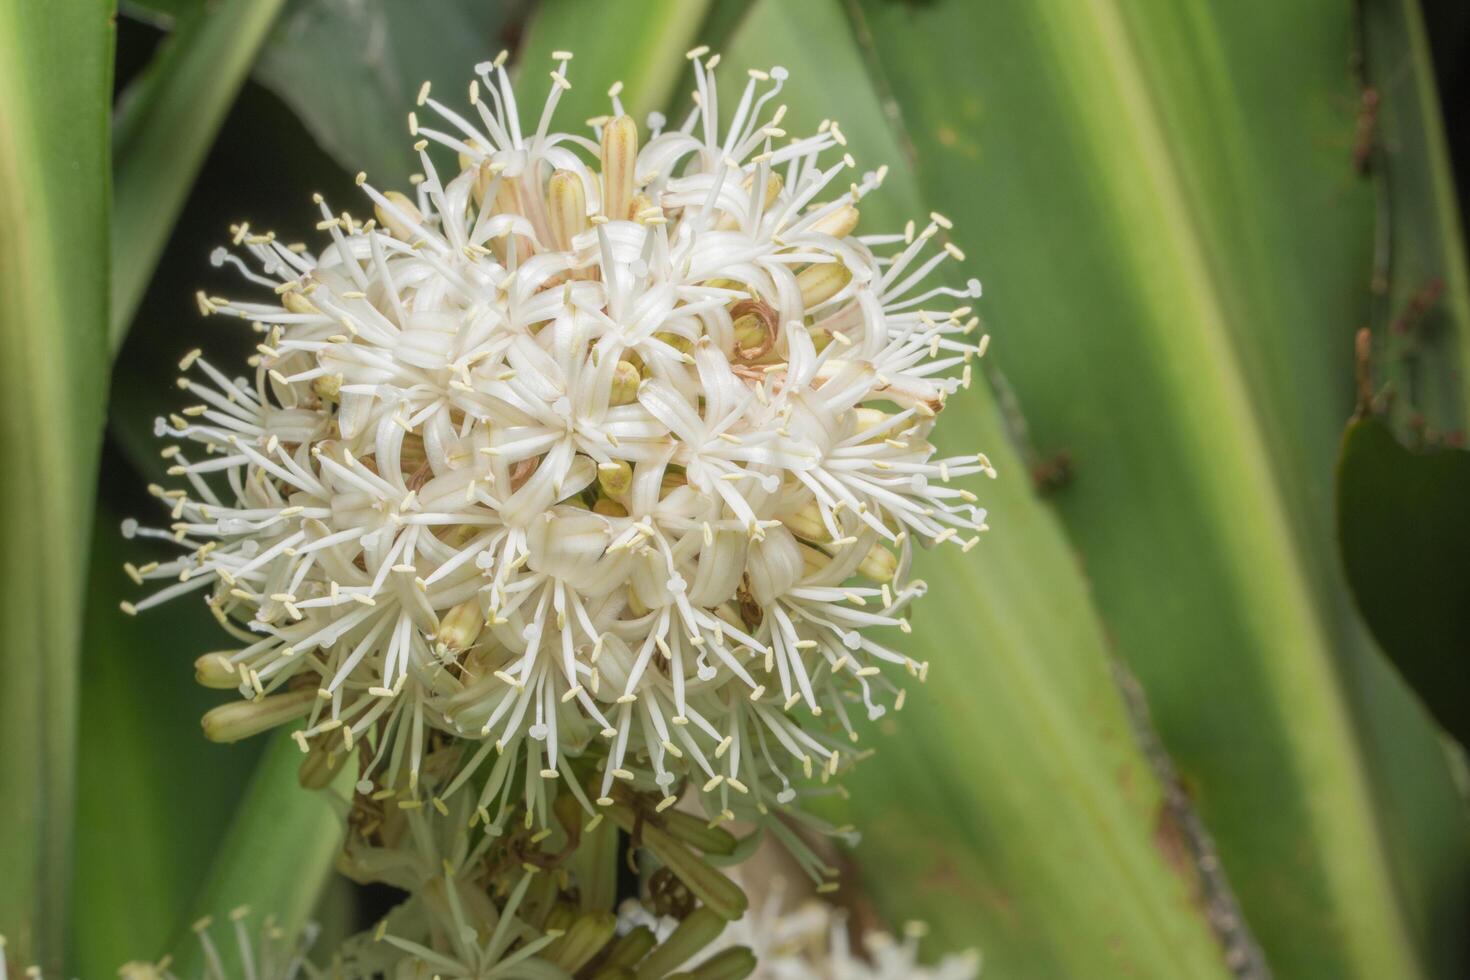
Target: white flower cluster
562 455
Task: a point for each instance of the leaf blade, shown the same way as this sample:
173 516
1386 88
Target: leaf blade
1195 364
54 196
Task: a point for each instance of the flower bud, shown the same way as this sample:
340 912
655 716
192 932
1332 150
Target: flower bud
629 950
215 670
696 832
619 155
583 940
822 281
806 523
241 719
615 479
680 343
838 224
401 217
735 963
700 928
880 565
722 898
626 380
566 205
461 626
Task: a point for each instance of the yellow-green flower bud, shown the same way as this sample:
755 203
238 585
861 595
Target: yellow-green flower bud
241 719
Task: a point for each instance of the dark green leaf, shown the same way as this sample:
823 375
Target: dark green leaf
146 775
1404 527
166 122
351 70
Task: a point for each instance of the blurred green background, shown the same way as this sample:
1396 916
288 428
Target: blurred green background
1171 728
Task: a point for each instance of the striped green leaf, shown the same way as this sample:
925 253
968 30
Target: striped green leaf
55 89
1163 198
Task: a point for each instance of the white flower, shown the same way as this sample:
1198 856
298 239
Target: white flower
563 455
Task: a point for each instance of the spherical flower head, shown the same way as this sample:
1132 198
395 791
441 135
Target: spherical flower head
607 447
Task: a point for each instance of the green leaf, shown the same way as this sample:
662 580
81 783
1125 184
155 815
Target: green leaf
55 89
352 70
1404 529
141 744
1421 309
1161 197
639 43
166 123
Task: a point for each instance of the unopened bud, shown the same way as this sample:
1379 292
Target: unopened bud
838 224
630 949
566 204
615 478
619 156
626 380
880 565
735 963
609 508
681 344
461 626
696 832
807 523
583 940
700 928
721 897
216 671
401 217
241 719
822 281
